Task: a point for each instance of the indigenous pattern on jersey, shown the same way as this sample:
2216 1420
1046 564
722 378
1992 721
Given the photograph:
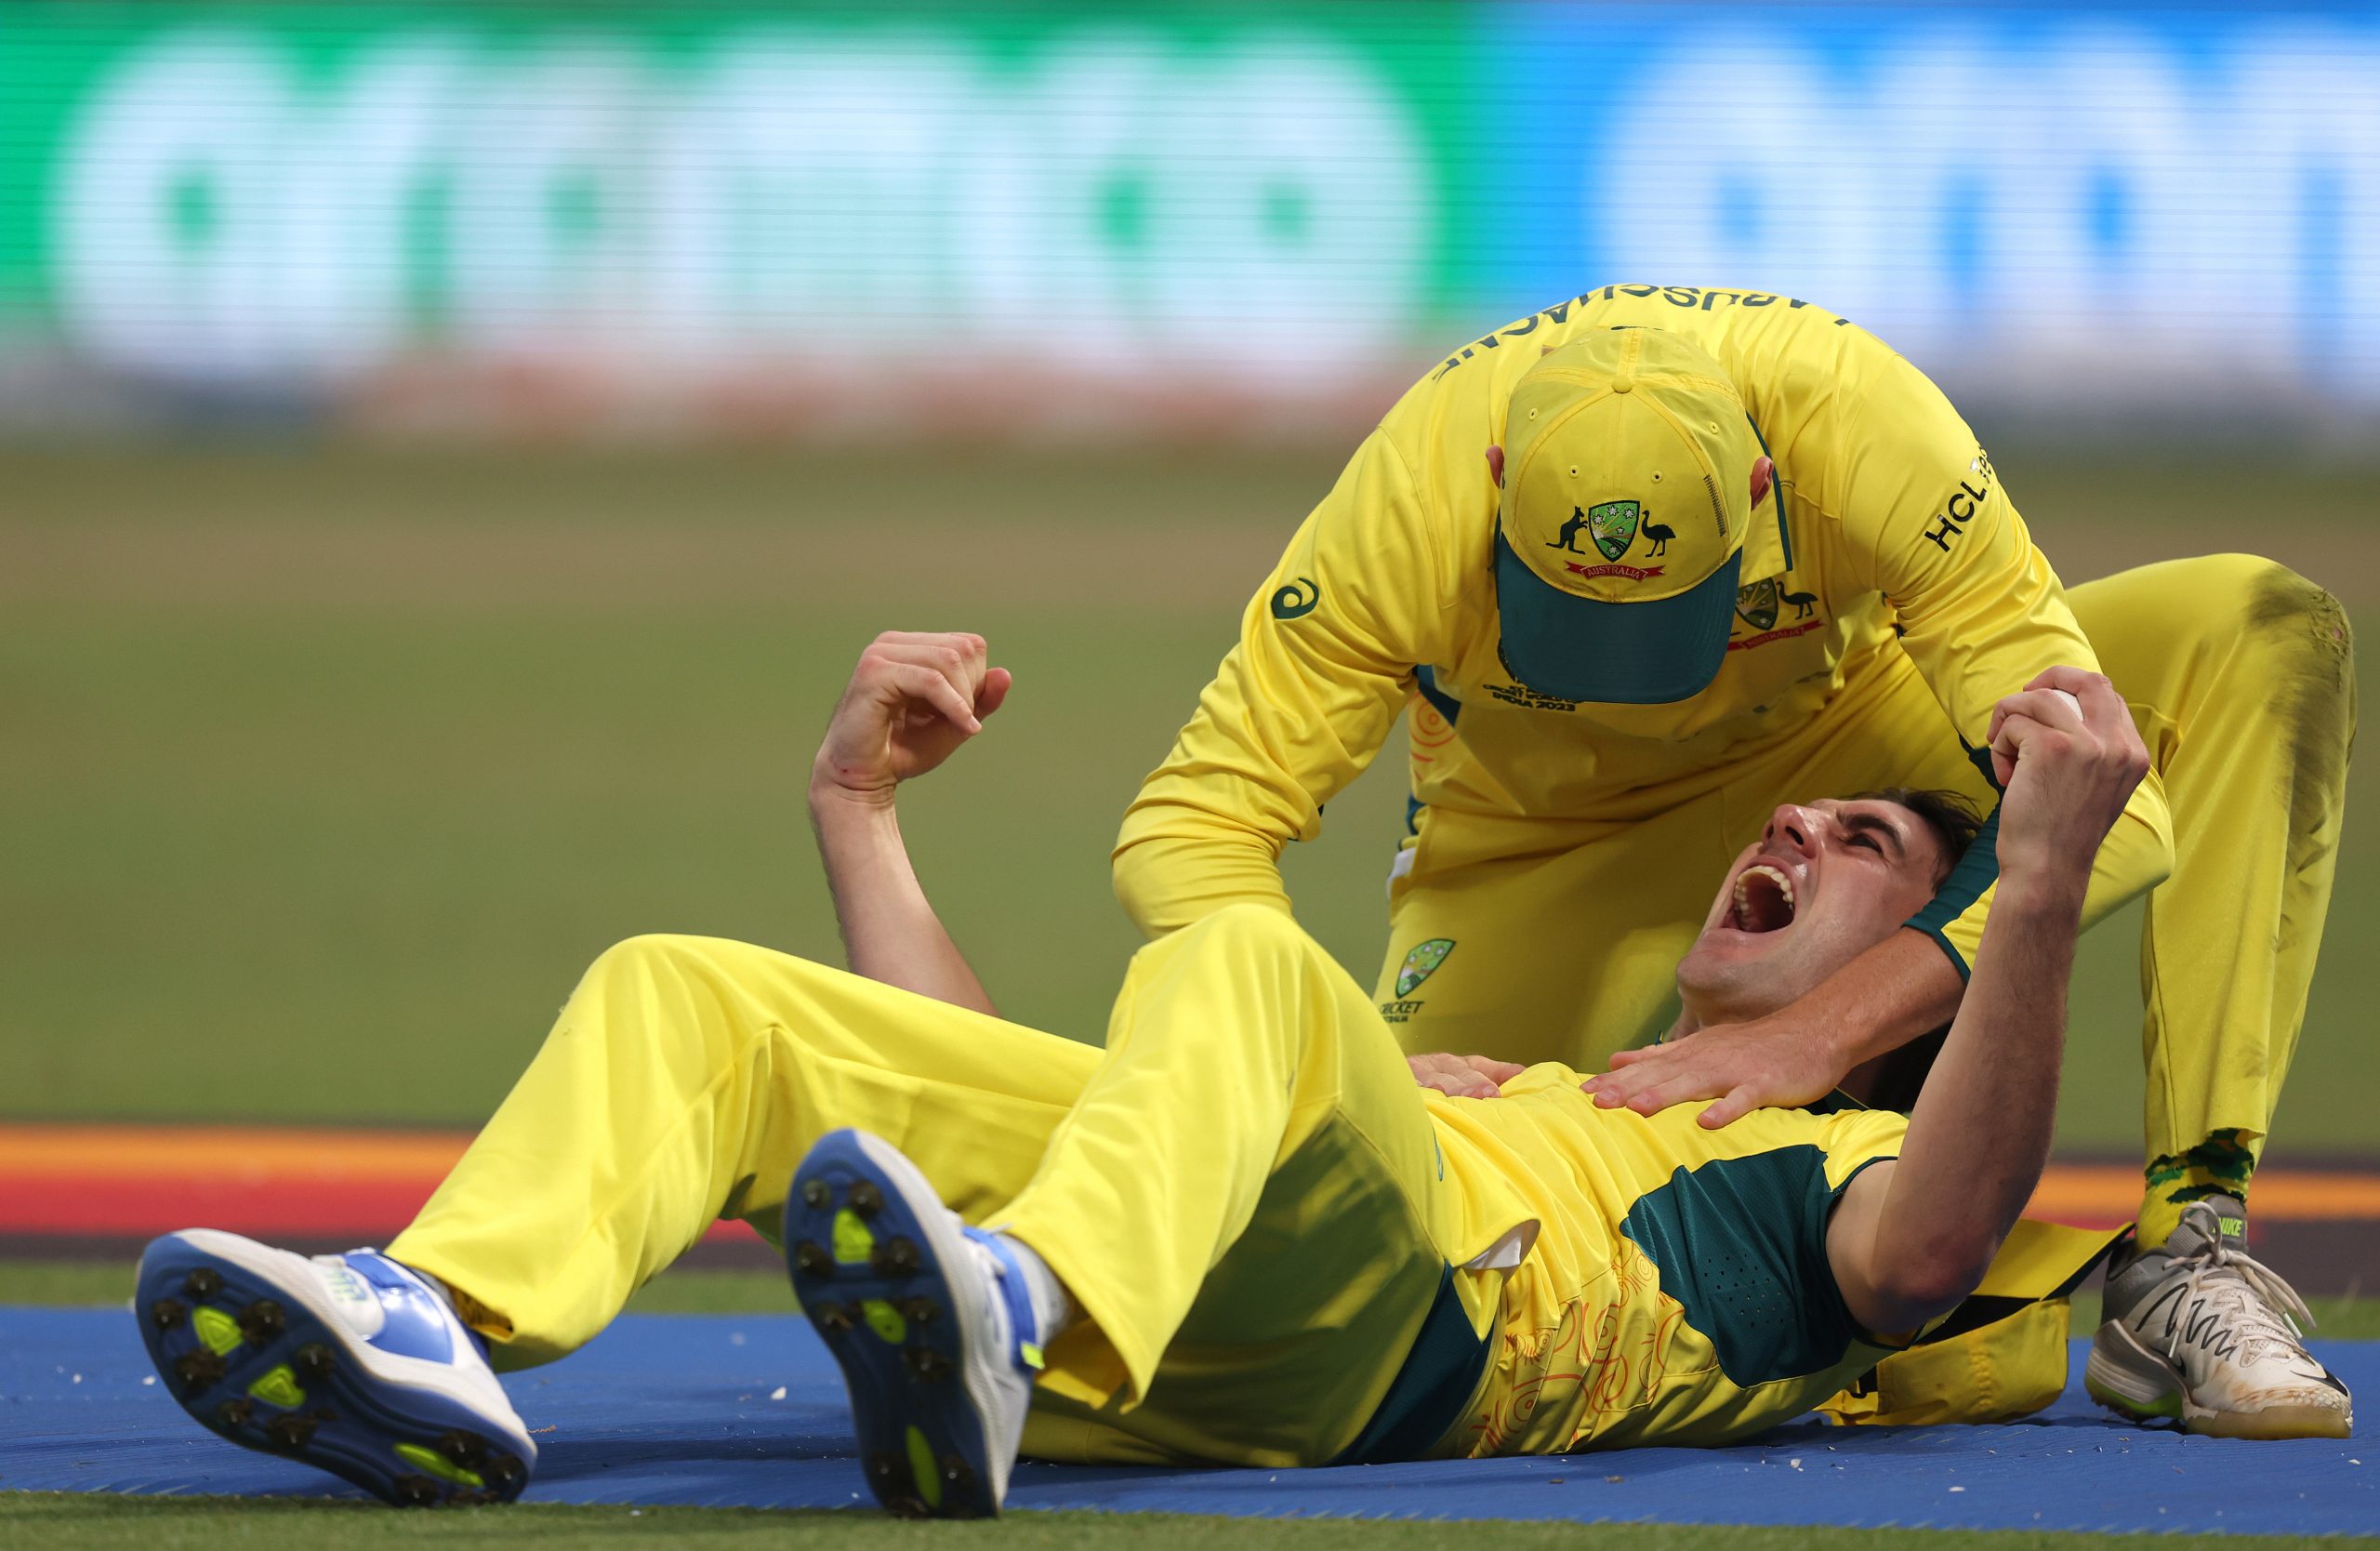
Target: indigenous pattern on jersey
1889 536
1679 1290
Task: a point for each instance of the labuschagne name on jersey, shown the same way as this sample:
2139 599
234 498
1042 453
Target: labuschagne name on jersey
1692 297
1960 510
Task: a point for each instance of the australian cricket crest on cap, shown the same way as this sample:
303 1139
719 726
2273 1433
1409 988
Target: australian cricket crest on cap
1613 525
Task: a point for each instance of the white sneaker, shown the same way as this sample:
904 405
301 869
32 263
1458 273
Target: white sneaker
351 1362
2201 1334
933 1322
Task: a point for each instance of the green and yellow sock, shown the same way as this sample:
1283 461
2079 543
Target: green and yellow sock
2219 1166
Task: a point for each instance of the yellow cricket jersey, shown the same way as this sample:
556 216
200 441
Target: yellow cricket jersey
1897 540
1678 1291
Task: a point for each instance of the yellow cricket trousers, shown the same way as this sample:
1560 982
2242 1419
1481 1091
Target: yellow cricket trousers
1566 933
1244 1190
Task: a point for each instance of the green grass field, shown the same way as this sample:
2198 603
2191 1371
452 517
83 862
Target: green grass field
327 770
326 764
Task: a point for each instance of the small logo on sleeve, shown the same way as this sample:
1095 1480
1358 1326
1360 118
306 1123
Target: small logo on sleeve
1297 600
1965 503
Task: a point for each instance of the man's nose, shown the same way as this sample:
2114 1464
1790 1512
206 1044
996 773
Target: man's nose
1795 827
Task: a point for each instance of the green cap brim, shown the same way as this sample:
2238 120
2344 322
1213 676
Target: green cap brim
1648 653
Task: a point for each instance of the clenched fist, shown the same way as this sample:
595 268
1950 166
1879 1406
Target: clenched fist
913 699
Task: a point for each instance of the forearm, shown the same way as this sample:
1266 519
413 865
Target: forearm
1981 1130
891 933
1911 1239
1900 988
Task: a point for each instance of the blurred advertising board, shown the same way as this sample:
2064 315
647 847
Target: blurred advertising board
1190 215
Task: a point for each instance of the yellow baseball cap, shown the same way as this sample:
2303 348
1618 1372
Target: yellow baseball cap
1626 521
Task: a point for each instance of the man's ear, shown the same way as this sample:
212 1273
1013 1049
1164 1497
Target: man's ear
1496 467
1764 475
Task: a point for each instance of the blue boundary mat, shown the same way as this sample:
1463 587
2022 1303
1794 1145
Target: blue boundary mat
744 1410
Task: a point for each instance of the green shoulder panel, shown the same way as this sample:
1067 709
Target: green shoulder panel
1740 1243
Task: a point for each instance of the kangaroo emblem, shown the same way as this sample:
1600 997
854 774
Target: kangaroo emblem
1660 534
1568 540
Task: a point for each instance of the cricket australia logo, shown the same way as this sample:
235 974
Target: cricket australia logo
1613 527
1757 607
1756 604
1422 963
1419 966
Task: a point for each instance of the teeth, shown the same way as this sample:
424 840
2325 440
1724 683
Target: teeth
1743 888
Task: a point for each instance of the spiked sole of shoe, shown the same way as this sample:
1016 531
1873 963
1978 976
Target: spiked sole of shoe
868 1273
255 1366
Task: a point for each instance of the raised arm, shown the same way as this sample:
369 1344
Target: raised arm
912 701
1911 1238
1927 525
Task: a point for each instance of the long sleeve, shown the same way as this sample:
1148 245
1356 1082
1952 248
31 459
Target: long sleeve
1325 660
1980 611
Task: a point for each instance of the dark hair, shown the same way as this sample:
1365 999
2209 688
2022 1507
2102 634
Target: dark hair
1955 823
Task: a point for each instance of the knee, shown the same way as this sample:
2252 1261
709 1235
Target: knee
2287 648
2301 619
2296 635
2246 626
1246 934
689 999
663 963
1247 925
2247 602
644 954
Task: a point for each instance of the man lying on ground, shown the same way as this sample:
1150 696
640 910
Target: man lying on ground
1622 633
1240 1234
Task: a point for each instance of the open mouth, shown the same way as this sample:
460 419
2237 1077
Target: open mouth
1764 900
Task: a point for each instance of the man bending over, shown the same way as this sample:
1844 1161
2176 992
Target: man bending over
1239 1234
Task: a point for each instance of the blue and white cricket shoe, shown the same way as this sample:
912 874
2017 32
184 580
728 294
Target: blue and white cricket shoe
351 1362
931 1320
